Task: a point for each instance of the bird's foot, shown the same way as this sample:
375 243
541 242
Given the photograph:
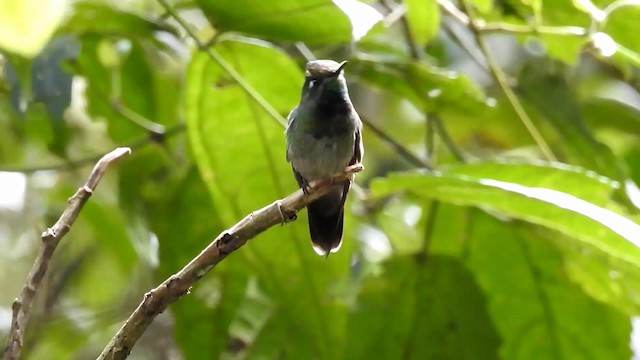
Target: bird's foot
286 216
305 186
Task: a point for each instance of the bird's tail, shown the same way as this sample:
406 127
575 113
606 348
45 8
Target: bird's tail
326 219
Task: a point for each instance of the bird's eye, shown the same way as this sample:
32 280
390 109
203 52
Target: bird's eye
312 83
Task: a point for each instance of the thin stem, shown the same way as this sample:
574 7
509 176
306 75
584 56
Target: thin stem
528 29
414 50
506 89
618 5
399 148
224 65
450 9
446 139
50 239
466 45
430 141
74 164
141 121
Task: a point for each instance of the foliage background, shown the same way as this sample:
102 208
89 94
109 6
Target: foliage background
522 245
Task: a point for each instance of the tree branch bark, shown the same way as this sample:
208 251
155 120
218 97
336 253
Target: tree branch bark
50 239
177 285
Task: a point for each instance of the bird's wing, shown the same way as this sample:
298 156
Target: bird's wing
358 148
290 119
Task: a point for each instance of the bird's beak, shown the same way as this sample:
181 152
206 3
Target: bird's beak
342 65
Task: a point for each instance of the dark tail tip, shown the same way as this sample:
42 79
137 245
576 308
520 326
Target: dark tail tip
325 229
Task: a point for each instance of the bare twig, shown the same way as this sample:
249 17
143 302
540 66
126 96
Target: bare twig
178 284
397 146
50 239
91 159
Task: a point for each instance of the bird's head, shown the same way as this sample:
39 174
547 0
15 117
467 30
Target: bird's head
323 78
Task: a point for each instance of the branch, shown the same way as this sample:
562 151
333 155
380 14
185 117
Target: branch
50 239
73 164
178 284
450 9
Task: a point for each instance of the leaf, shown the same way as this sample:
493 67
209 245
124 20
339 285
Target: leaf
42 83
27 25
313 21
110 19
537 202
551 96
483 6
538 311
239 151
611 113
424 19
605 278
128 81
425 85
433 309
185 220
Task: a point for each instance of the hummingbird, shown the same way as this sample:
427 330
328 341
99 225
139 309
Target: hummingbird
324 136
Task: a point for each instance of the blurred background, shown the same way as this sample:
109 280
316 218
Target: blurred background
497 216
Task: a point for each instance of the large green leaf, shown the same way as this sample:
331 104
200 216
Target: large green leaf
185 221
108 18
428 309
423 18
550 197
314 21
539 313
239 151
27 25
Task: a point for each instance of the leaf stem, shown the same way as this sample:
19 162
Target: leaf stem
506 89
264 104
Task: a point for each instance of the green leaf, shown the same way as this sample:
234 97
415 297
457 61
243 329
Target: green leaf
423 84
106 18
424 19
538 311
552 97
314 21
127 82
605 278
540 201
483 6
184 219
433 309
611 113
27 25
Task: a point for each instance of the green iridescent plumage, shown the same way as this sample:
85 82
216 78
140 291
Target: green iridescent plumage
323 137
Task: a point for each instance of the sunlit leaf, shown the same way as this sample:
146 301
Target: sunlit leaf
424 19
27 25
428 306
315 21
537 202
538 311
